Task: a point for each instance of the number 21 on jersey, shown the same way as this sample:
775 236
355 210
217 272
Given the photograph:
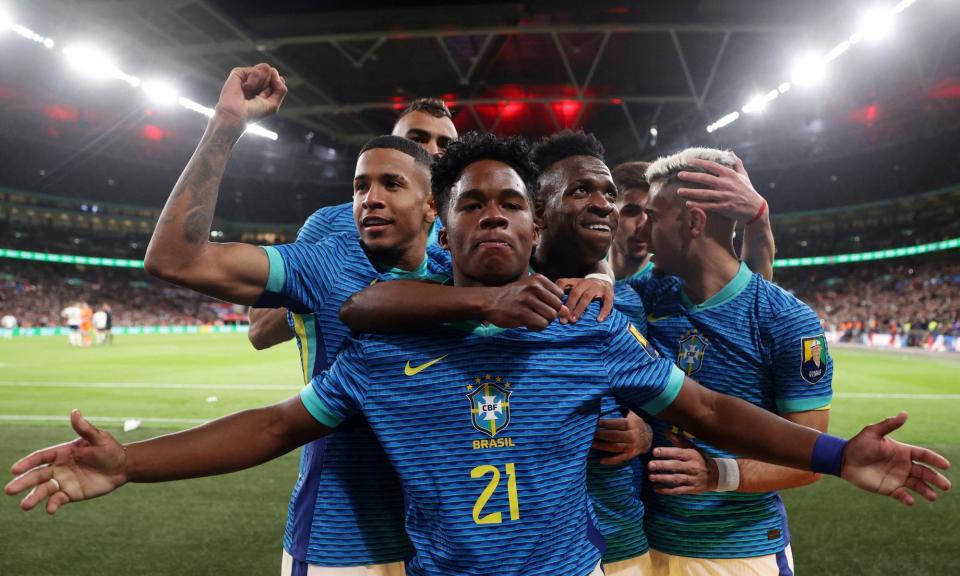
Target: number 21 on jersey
514 501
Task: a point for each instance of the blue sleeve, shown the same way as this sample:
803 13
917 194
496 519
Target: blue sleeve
639 377
338 393
301 274
325 222
801 381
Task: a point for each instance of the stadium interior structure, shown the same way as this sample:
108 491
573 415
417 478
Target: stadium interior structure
865 161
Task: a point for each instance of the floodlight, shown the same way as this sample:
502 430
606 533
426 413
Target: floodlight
258 130
95 63
809 70
89 61
5 21
876 24
759 102
654 131
160 92
196 107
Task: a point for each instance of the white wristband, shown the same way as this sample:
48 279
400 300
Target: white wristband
600 276
728 475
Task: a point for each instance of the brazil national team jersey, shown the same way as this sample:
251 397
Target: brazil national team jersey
755 341
327 221
615 490
347 506
489 430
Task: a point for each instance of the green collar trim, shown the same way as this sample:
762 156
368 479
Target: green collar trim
642 271
477 328
419 272
733 289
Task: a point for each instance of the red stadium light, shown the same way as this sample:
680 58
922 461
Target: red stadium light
866 115
153 133
510 109
61 113
566 110
946 90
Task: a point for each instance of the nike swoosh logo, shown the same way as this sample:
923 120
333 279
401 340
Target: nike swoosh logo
652 319
413 371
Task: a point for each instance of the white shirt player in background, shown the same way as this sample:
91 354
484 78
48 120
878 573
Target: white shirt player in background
100 323
7 324
74 316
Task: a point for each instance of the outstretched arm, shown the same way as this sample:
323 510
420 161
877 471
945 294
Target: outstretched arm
871 460
683 469
180 251
96 464
731 194
404 305
268 327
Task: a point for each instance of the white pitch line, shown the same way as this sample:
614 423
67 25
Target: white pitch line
146 385
893 396
66 418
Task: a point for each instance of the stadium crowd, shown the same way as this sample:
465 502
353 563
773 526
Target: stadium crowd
918 300
35 293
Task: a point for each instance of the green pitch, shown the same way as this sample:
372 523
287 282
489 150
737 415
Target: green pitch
234 524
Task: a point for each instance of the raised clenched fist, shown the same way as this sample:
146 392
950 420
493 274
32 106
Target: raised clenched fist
250 94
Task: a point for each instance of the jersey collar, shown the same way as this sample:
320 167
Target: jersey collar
733 289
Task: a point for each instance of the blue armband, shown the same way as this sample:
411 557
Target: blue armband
828 455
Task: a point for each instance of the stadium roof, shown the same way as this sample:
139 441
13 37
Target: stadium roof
616 68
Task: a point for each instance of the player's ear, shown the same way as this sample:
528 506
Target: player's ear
696 222
539 209
430 211
442 239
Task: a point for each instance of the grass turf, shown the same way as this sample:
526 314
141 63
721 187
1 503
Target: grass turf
234 524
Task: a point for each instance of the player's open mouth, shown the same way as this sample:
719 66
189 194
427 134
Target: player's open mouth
375 223
601 227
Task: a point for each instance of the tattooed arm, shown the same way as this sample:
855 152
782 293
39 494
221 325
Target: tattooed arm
180 251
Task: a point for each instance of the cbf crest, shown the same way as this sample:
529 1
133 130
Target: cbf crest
489 405
692 348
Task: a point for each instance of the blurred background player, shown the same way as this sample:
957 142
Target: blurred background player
74 317
102 323
736 333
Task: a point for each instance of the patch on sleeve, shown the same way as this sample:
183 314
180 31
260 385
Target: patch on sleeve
643 342
813 363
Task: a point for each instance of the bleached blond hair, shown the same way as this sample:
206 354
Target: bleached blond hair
666 168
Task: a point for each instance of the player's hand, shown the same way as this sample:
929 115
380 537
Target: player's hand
877 463
580 293
90 466
250 94
624 438
728 192
682 469
533 302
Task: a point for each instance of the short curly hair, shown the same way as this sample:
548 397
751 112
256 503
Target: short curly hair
432 106
473 147
551 149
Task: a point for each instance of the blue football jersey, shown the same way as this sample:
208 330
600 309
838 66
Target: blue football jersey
347 506
615 490
489 430
755 341
327 221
